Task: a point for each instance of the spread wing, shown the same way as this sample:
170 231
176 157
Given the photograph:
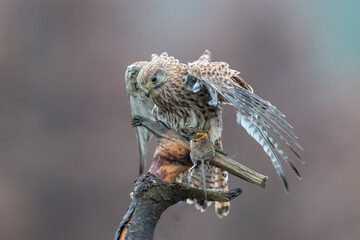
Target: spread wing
260 119
140 105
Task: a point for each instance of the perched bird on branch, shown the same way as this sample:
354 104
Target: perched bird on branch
188 97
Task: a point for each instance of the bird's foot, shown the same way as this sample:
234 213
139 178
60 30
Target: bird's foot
200 136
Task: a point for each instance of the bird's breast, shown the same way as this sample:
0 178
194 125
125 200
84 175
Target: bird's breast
183 110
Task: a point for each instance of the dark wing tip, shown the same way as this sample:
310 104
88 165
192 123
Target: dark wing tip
297 173
141 168
136 121
286 186
297 155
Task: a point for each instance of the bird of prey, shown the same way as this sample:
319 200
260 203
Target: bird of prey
188 98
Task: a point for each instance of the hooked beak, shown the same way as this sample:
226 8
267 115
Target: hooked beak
147 92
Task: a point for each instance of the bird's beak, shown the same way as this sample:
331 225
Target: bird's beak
147 92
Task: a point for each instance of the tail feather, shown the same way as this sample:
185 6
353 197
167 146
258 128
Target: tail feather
221 177
194 179
215 178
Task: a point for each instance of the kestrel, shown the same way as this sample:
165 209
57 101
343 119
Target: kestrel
188 98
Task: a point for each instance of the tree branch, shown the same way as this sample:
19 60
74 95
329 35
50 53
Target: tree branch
220 160
151 197
157 190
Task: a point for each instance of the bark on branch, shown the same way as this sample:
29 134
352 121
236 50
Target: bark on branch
151 197
157 190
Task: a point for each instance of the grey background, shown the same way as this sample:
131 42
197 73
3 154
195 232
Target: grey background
68 155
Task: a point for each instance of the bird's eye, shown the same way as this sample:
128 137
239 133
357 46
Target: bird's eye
153 79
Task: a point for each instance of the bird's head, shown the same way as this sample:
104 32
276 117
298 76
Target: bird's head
153 76
152 79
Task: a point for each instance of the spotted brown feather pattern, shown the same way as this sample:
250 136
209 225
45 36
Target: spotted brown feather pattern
176 104
187 98
179 107
257 116
221 182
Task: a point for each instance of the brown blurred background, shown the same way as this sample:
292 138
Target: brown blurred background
68 155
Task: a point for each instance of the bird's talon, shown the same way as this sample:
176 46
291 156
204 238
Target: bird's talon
204 135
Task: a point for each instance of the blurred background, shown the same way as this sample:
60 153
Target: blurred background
68 154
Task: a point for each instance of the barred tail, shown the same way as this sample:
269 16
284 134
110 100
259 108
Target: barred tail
195 180
221 177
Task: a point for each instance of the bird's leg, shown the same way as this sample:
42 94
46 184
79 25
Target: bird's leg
199 136
201 150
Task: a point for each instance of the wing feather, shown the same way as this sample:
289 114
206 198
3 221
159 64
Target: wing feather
260 119
140 105
254 131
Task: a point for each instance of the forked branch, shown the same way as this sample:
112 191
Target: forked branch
157 190
152 197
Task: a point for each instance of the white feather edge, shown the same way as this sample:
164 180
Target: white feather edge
253 130
140 105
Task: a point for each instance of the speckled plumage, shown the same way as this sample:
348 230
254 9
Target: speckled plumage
187 98
176 104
